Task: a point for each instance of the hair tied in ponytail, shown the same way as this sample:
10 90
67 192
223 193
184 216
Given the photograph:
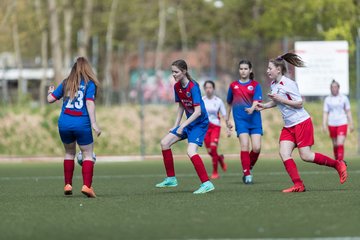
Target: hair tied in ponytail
279 58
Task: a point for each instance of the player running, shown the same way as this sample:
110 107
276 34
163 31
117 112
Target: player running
298 130
188 97
76 119
214 107
243 97
337 116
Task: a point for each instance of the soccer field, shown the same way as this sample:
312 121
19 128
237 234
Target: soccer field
128 205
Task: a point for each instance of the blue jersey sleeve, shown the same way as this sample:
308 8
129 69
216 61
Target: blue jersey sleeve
177 99
196 95
229 98
90 91
258 93
59 92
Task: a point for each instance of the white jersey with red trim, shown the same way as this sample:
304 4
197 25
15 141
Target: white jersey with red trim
288 88
336 107
214 106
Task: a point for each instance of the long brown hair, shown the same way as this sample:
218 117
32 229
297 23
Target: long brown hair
181 64
247 62
80 70
291 58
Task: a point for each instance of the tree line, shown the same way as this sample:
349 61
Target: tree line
53 32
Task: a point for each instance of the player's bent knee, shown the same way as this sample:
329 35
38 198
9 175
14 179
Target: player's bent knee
88 156
256 149
284 155
191 153
164 144
307 157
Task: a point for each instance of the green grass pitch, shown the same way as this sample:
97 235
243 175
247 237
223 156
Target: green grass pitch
128 206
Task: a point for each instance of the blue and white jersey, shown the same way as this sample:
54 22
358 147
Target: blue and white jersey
76 106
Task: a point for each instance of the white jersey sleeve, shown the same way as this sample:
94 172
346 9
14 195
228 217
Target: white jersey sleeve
222 108
326 104
347 103
288 88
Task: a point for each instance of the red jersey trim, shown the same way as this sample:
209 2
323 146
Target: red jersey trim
288 96
196 104
90 99
72 112
54 96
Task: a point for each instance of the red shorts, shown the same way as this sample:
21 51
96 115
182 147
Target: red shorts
301 134
338 130
212 134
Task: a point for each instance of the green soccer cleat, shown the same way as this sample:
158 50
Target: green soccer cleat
205 187
168 182
248 179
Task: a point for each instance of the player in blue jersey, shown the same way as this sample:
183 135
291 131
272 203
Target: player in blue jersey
76 120
242 98
188 97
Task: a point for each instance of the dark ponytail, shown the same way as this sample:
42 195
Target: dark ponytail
247 62
335 82
291 58
181 64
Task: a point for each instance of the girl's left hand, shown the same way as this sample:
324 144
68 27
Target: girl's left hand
51 89
351 127
179 131
249 110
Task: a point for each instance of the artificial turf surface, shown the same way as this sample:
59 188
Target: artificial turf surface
128 206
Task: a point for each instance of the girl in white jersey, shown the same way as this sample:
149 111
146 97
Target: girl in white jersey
336 117
214 107
298 130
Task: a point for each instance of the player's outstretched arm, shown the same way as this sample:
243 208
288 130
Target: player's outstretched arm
90 105
50 97
291 103
263 106
251 109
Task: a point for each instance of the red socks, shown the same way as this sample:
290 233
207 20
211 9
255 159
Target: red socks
68 170
168 162
253 158
335 149
324 160
200 168
87 172
215 157
291 169
245 162
340 153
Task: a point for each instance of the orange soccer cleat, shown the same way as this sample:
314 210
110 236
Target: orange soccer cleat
89 192
341 169
295 188
214 175
67 190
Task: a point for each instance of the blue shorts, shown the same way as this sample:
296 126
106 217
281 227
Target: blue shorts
243 127
74 128
194 134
